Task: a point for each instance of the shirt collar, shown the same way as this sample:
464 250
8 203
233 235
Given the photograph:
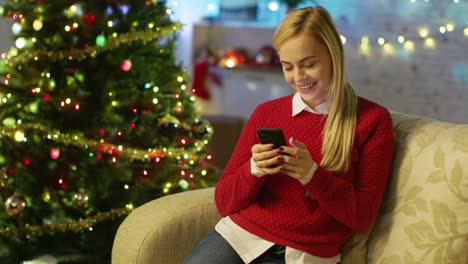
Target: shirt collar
298 106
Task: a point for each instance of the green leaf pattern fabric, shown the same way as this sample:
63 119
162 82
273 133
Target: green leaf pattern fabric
424 215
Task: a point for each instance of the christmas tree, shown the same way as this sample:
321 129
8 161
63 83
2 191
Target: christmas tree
96 119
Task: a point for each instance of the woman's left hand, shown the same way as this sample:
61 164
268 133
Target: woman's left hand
299 162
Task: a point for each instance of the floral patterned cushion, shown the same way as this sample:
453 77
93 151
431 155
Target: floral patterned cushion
424 215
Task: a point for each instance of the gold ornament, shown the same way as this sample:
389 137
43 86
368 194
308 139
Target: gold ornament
80 198
75 226
14 205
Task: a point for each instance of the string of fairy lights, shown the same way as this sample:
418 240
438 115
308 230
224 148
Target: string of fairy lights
425 36
23 52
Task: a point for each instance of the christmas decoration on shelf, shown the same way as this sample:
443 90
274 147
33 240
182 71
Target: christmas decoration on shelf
205 70
234 57
266 56
96 119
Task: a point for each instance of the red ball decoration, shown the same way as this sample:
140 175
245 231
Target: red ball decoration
234 58
89 18
126 65
54 153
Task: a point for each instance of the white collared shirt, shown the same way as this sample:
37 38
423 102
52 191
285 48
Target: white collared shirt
250 246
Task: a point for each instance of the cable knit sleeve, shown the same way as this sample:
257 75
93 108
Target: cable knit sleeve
237 187
355 202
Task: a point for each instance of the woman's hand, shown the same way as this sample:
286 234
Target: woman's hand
299 162
267 158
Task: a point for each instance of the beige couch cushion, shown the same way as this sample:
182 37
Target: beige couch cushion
424 216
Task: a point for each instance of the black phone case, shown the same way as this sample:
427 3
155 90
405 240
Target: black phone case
271 135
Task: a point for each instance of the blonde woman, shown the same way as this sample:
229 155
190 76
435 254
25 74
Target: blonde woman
301 202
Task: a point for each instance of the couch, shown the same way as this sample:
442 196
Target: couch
423 217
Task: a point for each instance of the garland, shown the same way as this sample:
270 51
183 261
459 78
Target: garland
76 140
75 226
93 51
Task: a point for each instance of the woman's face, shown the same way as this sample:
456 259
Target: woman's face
307 67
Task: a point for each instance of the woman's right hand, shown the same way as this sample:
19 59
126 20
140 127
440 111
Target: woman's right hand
267 158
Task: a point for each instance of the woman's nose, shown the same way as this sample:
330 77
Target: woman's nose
299 75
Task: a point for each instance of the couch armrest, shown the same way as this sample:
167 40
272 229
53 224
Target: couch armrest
165 230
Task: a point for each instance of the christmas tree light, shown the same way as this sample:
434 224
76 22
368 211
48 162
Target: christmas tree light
96 120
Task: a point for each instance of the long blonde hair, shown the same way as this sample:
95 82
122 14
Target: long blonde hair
339 128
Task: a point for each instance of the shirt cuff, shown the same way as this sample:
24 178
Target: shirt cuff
309 176
254 169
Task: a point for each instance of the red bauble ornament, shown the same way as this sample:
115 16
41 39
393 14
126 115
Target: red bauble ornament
89 18
126 65
54 153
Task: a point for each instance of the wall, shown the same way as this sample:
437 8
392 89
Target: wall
429 77
5 32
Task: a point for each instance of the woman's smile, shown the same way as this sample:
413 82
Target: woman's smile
305 88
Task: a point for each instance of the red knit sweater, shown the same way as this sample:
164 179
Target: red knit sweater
276 207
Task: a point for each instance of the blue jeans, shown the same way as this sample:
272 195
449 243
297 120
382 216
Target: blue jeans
214 249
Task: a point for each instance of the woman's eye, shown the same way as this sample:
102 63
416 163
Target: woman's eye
309 65
287 68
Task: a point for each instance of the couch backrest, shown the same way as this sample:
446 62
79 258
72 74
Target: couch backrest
424 214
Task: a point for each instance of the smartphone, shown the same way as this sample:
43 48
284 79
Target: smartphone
271 135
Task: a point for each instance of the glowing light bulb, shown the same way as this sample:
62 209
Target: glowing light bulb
365 40
230 63
381 41
450 27
409 46
442 29
401 39
101 40
19 136
343 39
388 49
37 25
429 42
273 6
211 7
424 32
20 43
16 28
183 184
